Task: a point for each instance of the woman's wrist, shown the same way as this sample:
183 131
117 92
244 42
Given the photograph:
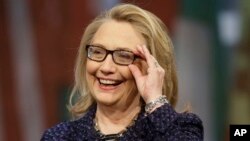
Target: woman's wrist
151 106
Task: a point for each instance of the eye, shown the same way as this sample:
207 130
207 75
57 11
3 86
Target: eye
96 53
96 50
125 55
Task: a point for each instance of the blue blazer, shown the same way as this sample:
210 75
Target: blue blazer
163 124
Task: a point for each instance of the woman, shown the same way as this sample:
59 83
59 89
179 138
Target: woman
125 75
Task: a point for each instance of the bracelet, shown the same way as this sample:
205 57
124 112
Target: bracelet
151 105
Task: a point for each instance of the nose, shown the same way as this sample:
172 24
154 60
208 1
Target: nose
108 65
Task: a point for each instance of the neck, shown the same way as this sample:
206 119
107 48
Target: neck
113 119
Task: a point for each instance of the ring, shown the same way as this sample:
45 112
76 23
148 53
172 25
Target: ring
156 64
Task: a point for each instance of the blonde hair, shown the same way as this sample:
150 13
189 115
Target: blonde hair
158 43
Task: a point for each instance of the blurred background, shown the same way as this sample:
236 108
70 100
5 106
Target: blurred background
39 41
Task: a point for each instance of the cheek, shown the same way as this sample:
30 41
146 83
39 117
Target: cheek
91 68
130 88
126 74
130 81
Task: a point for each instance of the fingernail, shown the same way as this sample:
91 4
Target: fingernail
144 48
130 66
138 46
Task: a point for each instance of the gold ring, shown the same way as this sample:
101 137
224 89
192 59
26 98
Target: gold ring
156 64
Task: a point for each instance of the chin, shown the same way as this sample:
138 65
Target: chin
109 98
106 99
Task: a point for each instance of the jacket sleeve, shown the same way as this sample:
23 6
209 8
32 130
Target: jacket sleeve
168 125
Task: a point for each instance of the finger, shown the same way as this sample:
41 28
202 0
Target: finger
149 58
135 71
138 53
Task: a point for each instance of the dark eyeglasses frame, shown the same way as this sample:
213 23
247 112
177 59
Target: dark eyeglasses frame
110 52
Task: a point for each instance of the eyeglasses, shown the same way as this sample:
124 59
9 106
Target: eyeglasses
120 57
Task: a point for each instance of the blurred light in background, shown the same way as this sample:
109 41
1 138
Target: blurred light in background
229 23
97 6
28 94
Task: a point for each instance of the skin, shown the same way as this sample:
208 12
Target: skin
118 105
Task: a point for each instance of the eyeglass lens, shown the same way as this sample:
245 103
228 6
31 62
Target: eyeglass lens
121 57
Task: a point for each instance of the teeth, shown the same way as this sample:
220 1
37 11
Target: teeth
108 82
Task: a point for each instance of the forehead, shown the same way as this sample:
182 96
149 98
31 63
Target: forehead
116 34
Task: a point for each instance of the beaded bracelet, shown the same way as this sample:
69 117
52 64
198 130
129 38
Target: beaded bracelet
151 105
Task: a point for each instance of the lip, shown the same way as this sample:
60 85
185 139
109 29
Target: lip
109 79
108 87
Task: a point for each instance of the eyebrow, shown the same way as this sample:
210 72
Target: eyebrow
117 48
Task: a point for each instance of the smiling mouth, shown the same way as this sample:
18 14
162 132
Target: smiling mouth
106 82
